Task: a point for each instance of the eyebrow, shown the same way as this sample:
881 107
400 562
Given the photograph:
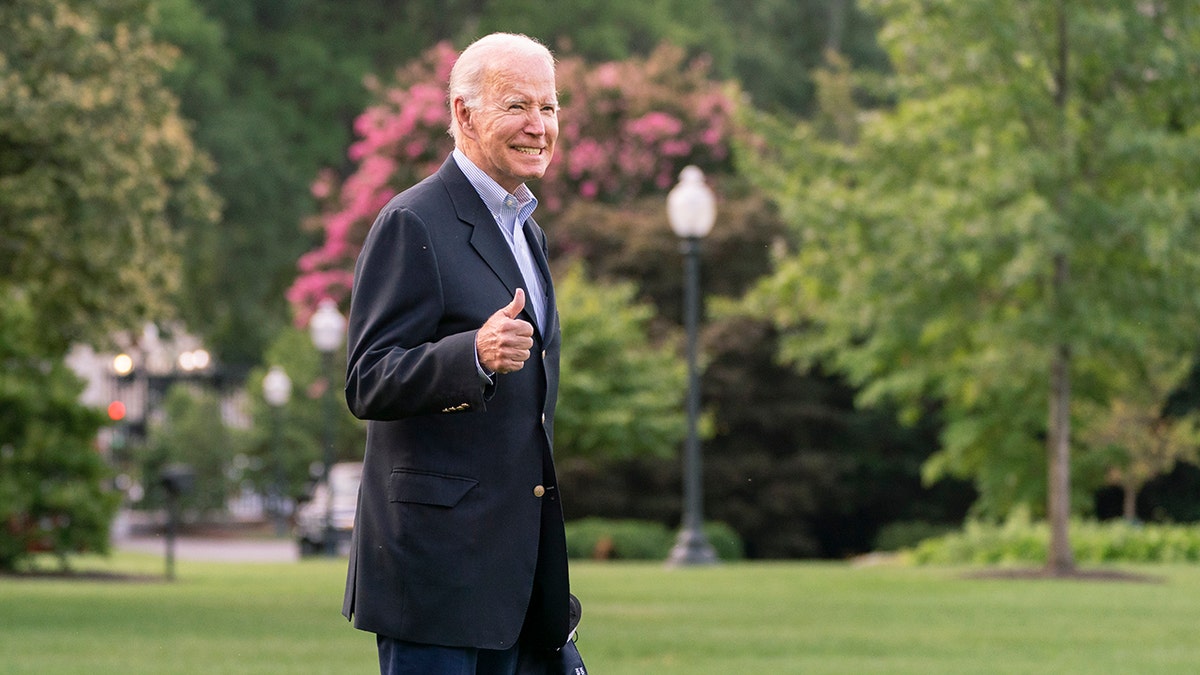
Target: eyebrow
525 101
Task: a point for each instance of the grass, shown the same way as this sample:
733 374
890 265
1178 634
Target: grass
807 618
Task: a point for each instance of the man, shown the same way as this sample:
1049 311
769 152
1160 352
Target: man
458 562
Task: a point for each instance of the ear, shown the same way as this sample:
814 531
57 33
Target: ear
466 124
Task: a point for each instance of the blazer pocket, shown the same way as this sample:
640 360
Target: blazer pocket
416 487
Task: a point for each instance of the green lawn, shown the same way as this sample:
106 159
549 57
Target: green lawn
638 619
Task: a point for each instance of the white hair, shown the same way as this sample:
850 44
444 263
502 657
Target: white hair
470 71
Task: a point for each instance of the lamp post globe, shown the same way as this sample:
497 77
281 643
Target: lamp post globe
691 205
692 211
277 390
327 328
277 387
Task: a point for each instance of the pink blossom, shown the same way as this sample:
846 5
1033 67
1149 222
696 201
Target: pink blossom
654 125
585 156
626 129
608 75
322 187
676 148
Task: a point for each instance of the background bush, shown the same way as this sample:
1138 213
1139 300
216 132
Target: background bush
908 533
601 538
1019 541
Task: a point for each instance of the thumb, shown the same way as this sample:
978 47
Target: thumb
518 303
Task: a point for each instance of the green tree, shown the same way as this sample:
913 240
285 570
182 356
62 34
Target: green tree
273 87
193 433
781 44
271 94
300 423
620 396
769 46
96 169
1142 438
616 30
54 492
1020 224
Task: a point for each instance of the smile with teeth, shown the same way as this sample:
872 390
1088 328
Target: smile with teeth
528 151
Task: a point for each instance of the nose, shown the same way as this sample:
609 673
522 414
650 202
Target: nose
535 124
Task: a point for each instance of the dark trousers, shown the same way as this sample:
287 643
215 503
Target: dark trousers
397 657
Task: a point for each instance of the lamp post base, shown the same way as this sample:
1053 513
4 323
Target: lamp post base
691 548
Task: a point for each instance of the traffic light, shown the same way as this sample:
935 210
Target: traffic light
116 411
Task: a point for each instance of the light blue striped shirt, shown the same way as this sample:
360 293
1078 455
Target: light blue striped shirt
510 211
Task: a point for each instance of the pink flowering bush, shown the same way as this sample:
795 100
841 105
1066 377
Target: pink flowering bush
626 130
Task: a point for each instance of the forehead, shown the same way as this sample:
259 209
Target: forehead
526 78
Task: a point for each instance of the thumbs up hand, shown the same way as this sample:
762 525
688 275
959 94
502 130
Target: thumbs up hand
503 342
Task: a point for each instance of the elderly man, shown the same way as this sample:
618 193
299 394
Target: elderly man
458 563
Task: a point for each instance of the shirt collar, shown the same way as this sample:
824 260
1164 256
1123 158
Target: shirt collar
521 203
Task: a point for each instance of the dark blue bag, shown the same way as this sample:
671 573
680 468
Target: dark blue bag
563 661
569 661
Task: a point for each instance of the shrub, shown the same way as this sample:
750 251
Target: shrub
617 539
54 494
725 541
907 533
1091 542
600 538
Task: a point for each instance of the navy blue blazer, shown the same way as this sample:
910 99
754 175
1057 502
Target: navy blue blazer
459 535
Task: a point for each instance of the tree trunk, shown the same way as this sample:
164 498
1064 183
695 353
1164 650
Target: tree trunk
1129 502
1060 560
837 25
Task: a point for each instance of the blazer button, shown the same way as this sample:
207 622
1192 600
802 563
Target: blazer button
539 491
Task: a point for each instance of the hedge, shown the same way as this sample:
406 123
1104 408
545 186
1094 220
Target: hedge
600 538
1092 542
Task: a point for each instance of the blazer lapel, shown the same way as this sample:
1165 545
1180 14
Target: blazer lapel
486 237
537 243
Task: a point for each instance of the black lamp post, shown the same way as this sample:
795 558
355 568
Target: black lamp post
692 210
277 389
326 329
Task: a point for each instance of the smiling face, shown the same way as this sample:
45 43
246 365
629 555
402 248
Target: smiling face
511 132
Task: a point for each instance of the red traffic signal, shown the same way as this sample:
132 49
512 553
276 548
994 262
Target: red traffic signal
116 411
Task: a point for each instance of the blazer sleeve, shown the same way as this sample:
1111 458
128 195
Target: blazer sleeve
400 359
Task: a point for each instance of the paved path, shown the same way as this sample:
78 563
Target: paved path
215 549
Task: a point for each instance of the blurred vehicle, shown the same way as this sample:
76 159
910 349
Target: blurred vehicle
310 516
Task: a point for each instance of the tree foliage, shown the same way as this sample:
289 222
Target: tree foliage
191 432
781 44
54 494
273 87
927 246
617 30
1143 439
97 171
96 167
620 396
271 90
300 423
